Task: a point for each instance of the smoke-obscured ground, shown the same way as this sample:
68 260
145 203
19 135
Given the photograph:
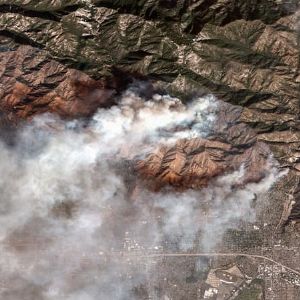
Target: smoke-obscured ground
66 208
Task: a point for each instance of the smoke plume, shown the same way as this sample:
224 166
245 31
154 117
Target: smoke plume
65 207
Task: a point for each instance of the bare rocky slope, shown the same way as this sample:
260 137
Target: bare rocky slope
72 57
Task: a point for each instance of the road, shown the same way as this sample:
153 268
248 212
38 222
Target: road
155 255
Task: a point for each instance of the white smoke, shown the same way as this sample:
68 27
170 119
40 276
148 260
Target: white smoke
214 209
63 200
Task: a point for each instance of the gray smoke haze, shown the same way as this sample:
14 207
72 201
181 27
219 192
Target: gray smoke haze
293 7
65 205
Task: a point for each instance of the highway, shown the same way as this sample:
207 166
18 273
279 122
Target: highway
157 255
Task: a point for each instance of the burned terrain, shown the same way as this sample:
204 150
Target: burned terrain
149 150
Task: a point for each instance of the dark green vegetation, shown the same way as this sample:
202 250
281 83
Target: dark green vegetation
253 292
